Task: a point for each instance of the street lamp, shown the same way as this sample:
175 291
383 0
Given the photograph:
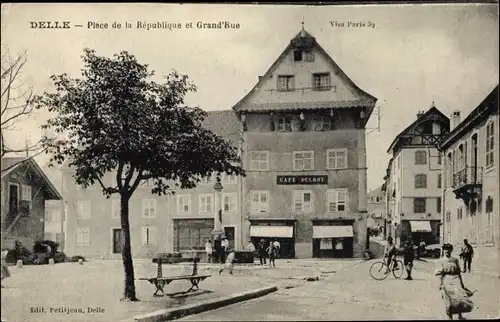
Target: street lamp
218 232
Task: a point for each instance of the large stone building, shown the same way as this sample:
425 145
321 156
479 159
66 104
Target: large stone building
414 180
471 200
376 208
305 155
301 131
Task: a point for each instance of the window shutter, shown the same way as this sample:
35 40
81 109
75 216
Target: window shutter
153 236
144 235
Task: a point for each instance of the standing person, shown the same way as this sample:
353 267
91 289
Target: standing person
408 258
421 248
229 264
5 267
261 250
271 252
277 245
390 252
466 253
453 291
208 250
225 247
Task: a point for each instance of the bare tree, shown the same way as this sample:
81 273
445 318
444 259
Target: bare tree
16 102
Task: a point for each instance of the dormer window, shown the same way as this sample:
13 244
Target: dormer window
321 124
284 124
303 55
286 83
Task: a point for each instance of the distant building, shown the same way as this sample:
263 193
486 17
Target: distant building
25 188
157 223
471 179
54 209
304 148
376 208
414 179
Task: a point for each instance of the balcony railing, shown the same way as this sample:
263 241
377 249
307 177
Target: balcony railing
468 176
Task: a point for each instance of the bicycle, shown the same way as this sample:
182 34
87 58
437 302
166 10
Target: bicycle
379 270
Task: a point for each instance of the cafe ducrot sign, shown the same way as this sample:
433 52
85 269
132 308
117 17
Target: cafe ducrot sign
284 180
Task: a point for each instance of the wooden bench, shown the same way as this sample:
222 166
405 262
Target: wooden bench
159 281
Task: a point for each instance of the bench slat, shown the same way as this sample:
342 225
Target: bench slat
173 278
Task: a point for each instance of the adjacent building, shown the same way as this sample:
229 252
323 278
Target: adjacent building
304 146
157 223
25 189
471 197
414 179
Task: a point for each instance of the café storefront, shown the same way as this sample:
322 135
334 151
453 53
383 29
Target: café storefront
333 238
281 230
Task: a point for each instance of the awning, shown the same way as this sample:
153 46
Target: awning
271 231
332 231
421 226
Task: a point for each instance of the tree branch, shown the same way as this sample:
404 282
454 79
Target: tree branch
111 190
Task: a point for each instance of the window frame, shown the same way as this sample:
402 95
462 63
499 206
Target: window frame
335 167
335 193
189 203
88 204
321 120
415 205
489 149
86 241
303 168
229 195
319 77
420 181
259 162
284 124
418 159
303 202
258 209
147 201
289 83
204 209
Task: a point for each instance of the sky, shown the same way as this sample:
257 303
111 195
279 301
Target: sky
415 55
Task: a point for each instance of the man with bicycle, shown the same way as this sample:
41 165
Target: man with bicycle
390 253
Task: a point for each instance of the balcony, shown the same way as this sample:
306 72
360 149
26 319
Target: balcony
467 183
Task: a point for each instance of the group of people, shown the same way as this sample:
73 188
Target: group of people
266 250
453 291
219 253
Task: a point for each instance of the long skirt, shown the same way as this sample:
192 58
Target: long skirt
454 296
5 269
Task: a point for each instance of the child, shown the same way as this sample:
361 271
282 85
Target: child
229 264
5 268
408 258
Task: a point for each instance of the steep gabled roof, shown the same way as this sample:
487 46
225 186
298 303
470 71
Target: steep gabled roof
368 100
377 192
10 164
432 110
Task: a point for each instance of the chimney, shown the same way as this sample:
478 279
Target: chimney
455 119
419 114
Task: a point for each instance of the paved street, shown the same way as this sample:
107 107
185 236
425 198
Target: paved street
352 294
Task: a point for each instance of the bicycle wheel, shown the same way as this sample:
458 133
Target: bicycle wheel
399 271
379 271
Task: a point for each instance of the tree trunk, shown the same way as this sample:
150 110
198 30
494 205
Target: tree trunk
128 265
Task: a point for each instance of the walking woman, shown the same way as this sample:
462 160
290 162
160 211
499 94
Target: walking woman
5 268
453 291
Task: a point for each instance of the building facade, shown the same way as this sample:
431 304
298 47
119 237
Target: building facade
157 223
376 208
25 189
305 155
414 179
471 179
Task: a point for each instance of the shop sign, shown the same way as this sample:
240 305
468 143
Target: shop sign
290 180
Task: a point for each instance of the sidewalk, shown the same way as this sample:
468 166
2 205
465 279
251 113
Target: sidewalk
70 289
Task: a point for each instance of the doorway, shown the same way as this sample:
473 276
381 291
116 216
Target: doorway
117 241
13 197
229 232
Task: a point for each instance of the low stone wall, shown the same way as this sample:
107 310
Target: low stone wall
377 247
